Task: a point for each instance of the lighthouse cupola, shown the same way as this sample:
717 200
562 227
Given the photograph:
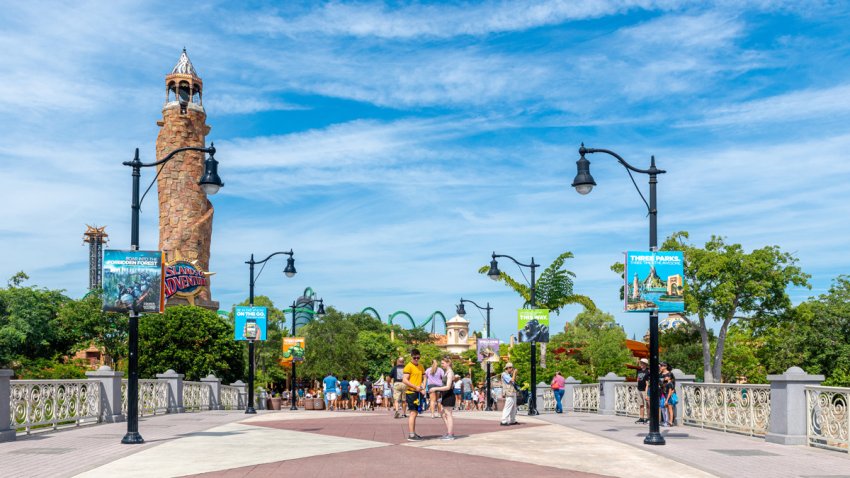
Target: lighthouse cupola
183 87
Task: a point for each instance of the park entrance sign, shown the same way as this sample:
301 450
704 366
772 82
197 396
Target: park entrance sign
654 281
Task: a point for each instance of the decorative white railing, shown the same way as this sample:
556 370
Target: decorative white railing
50 404
827 417
153 397
739 408
196 396
548 401
586 397
230 398
627 399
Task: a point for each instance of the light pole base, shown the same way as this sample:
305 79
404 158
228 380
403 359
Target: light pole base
532 412
654 438
132 438
293 407
250 411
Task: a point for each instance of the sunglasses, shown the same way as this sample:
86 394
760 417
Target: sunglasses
415 358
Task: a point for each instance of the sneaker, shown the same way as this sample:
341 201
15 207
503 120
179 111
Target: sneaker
504 424
414 437
640 420
447 437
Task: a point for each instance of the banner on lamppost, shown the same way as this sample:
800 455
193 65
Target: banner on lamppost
488 350
533 325
293 350
250 322
132 281
654 281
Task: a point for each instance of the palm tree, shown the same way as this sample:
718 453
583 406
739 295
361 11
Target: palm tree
554 287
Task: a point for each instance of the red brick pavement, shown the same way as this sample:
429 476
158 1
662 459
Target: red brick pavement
398 461
385 429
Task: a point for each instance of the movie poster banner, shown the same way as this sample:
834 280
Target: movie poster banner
654 281
533 325
488 350
293 350
132 280
250 322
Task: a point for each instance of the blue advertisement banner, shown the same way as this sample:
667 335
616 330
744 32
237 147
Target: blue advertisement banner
250 322
654 281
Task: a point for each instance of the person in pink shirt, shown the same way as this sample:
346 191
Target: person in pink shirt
558 390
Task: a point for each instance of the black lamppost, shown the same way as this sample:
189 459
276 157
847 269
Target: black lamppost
584 183
295 309
461 311
495 274
290 272
210 183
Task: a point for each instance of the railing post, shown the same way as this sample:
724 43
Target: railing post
681 380
607 397
568 402
175 390
542 388
788 407
243 394
110 393
215 391
7 433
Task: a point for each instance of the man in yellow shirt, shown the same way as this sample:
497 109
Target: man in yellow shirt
413 373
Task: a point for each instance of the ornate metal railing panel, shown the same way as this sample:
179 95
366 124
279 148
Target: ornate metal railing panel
739 408
54 403
586 397
230 398
627 399
196 396
548 401
153 397
827 417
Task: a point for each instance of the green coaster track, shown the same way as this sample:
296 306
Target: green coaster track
432 319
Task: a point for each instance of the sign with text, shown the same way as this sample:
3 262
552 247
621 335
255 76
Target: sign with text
533 325
293 350
488 350
654 281
132 281
250 322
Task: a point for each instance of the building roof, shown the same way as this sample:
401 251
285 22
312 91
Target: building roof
184 66
457 320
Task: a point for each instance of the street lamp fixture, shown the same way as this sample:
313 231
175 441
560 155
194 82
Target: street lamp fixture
210 183
584 183
320 312
461 311
495 274
289 272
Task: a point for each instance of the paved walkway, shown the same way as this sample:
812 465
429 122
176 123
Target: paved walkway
317 443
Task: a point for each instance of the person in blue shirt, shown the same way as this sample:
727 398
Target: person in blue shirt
330 384
344 398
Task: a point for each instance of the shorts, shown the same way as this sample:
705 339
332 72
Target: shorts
363 396
448 400
467 395
331 396
388 393
457 391
345 395
413 401
398 391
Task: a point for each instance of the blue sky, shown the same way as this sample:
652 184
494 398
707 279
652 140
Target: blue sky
395 145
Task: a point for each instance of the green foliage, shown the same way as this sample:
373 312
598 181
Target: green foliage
107 330
332 346
29 324
601 344
189 340
267 353
723 283
52 369
554 287
680 348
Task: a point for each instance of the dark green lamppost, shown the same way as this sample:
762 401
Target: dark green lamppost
461 311
584 183
303 302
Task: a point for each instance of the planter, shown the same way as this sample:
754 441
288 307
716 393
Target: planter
318 404
309 404
274 403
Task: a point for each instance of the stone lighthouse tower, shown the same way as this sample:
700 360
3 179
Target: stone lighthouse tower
185 213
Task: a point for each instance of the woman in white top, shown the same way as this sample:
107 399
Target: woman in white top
448 400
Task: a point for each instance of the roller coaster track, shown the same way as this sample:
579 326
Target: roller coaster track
432 319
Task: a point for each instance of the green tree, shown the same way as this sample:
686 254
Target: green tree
740 359
723 284
554 287
189 340
680 348
30 327
601 343
267 353
332 346
106 330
